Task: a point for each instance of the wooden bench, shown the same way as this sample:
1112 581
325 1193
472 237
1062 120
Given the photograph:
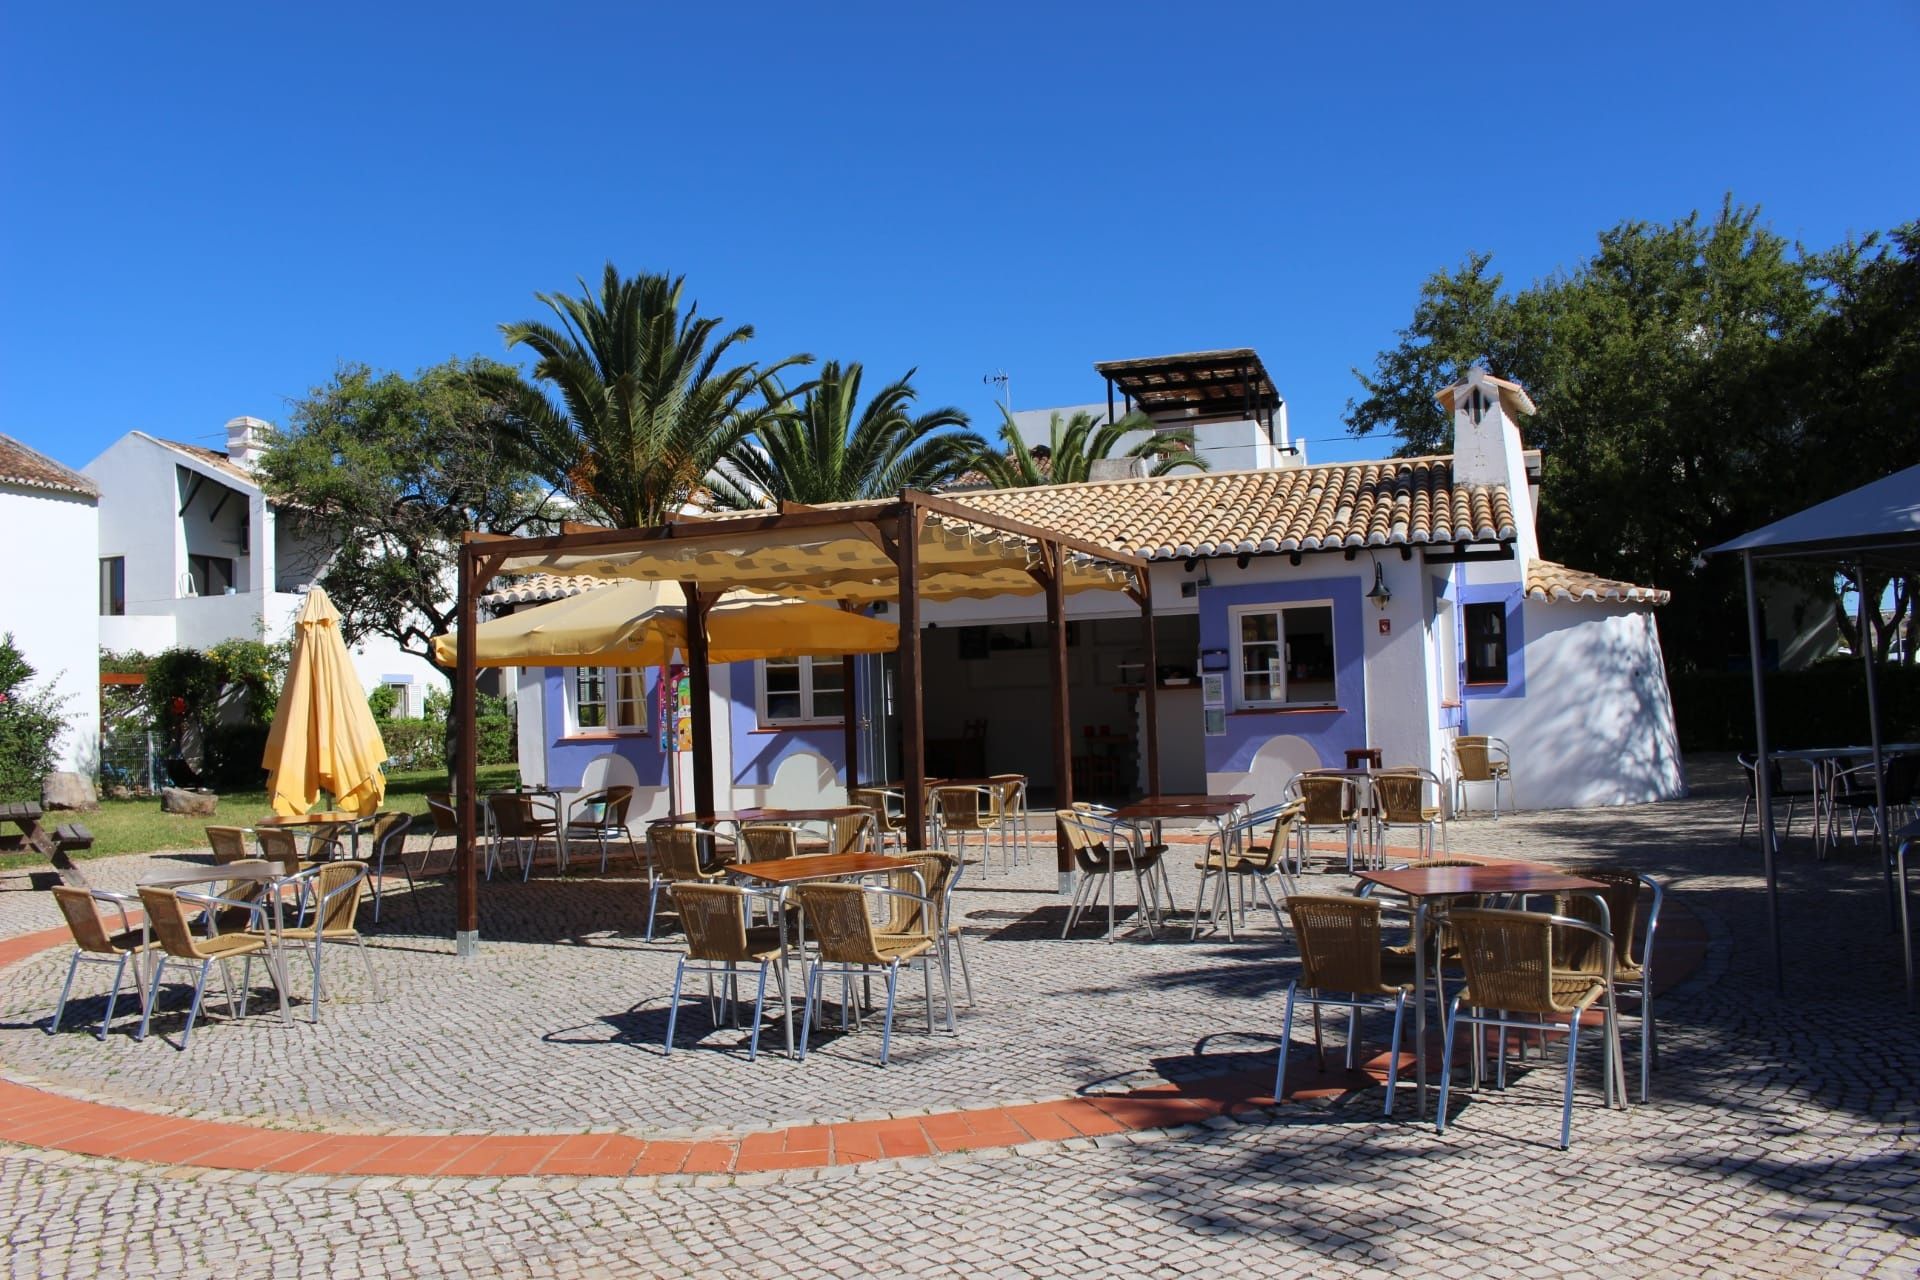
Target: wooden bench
31 835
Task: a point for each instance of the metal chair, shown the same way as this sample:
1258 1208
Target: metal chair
770 841
854 833
958 815
1778 789
1853 790
601 816
329 896
169 926
95 943
719 941
1233 854
1513 983
281 845
838 917
1400 801
1632 973
1008 795
1104 849
229 844
889 813
1341 952
1479 758
516 822
390 840
1327 801
933 875
676 860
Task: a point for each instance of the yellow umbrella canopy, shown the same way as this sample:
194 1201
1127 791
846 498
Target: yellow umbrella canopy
622 624
323 735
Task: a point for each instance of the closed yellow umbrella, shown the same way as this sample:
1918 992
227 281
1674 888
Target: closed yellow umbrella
323 735
622 624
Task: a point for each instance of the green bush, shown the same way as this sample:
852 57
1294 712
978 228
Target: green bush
418 743
232 757
30 726
383 701
1825 705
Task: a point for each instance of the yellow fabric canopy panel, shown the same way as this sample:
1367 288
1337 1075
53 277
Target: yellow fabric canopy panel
623 624
323 735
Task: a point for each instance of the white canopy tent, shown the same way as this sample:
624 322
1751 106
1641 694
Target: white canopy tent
1875 525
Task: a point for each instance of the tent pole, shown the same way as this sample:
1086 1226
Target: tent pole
1055 557
1762 781
1881 820
466 767
701 688
1151 686
913 747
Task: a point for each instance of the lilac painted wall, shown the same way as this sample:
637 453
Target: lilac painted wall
567 758
1329 733
757 755
1508 594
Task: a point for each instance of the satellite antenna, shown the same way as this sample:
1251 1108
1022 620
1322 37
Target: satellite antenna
1005 383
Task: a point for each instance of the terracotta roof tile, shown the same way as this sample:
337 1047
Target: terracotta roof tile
1549 581
1395 502
35 470
538 588
215 459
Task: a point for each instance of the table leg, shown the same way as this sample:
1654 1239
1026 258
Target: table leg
1420 1010
1906 927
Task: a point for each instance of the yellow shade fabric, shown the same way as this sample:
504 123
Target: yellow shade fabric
624 624
323 735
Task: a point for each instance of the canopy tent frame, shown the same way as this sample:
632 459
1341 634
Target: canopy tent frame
1877 524
850 552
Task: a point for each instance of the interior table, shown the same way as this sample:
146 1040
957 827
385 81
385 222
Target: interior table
1426 884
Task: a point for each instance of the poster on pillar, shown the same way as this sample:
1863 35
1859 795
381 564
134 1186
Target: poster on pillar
682 709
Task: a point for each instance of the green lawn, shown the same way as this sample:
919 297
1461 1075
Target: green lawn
138 826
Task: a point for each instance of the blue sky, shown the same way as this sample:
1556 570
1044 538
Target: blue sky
206 209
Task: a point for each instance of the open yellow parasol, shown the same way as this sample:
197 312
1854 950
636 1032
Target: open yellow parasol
623 624
323 735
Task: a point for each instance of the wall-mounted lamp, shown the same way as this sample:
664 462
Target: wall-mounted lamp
1243 559
1379 595
1190 564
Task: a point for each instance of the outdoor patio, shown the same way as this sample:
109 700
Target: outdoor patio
1778 1139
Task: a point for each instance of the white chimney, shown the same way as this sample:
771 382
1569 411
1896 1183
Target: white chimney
1486 445
246 441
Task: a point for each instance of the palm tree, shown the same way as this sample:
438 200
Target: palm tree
829 449
1076 443
645 410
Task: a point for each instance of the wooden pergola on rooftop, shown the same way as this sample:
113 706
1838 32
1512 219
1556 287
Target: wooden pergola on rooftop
913 548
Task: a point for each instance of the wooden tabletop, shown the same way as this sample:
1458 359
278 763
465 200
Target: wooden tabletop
325 818
825 866
247 870
1181 806
1502 877
824 814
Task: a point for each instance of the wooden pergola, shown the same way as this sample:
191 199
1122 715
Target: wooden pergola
910 549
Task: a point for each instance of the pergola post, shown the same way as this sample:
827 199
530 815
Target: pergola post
1762 770
466 757
1062 720
1881 822
1151 687
850 717
913 755
701 684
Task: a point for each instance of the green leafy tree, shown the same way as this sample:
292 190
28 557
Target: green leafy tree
647 406
31 725
831 449
1075 443
1679 403
383 473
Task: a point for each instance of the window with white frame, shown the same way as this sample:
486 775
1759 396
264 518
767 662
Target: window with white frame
1283 656
802 690
608 700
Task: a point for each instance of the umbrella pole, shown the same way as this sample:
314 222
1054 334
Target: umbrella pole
1762 782
1881 819
466 799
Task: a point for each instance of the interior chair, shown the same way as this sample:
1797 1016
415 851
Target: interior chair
1104 850
1779 790
958 816
330 904
601 816
518 823
932 877
1328 802
840 924
169 925
1400 802
676 860
95 942
889 813
1344 966
1236 854
1479 758
719 943
1575 952
1514 983
389 840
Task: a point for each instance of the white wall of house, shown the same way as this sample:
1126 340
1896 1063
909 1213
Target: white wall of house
50 584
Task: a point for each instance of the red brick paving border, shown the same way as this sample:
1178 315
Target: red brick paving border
34 1117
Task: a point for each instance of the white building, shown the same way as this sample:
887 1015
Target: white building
191 553
47 525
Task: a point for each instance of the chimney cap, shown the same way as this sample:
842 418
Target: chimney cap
1513 396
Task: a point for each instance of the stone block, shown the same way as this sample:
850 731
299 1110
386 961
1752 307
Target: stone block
194 804
62 790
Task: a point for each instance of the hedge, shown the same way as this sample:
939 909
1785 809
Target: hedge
422 744
1824 705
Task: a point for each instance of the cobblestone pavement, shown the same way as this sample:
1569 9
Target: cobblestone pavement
1780 1140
